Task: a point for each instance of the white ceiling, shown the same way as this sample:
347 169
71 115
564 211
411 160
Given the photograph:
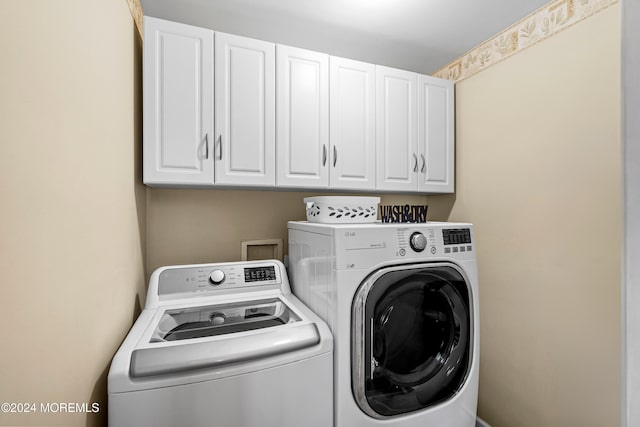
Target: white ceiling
418 35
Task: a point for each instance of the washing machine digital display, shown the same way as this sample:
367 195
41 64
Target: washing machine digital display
259 274
456 236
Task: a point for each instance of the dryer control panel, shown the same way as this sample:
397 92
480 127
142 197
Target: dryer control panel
211 277
364 245
456 240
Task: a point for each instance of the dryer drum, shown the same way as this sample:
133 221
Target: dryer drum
412 346
419 339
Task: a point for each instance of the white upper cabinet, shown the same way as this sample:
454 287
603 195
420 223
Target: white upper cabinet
244 111
352 124
302 111
397 130
288 117
435 135
178 103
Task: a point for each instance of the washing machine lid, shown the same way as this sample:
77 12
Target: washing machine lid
213 320
412 338
216 335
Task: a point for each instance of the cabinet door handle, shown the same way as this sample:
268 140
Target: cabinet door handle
335 156
206 146
220 144
424 163
324 154
415 159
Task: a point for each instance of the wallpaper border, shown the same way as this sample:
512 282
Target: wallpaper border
136 12
545 22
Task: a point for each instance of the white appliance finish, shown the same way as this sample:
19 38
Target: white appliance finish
223 345
330 264
302 105
352 124
244 111
178 100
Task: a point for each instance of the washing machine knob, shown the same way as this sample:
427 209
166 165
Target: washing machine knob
216 277
418 242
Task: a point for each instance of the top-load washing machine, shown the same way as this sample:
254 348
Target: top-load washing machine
402 303
223 345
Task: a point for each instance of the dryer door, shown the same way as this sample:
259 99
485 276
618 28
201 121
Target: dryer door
412 338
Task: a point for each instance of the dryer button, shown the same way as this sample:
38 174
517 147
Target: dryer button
418 242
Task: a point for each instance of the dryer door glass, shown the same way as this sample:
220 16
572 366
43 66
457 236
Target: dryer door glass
412 339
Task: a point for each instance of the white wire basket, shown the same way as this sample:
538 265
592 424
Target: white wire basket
342 209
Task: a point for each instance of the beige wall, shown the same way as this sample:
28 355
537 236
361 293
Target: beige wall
73 211
538 172
193 226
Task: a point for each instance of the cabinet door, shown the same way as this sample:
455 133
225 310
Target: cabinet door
352 124
245 111
397 131
435 134
178 103
302 104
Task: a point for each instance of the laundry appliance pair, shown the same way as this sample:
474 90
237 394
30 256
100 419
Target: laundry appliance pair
402 303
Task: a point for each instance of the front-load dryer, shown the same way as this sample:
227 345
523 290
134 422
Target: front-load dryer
222 345
402 303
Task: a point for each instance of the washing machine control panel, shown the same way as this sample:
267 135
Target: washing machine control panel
217 277
259 274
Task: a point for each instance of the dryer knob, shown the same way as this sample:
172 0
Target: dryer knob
217 277
418 242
